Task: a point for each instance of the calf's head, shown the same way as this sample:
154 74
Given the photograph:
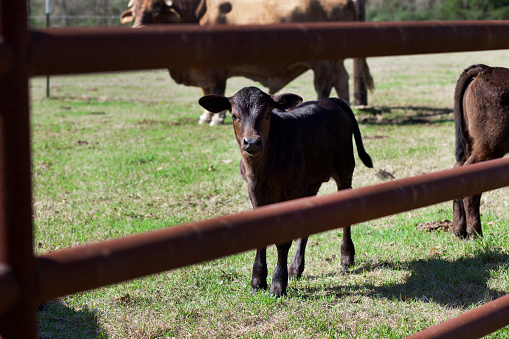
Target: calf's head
251 114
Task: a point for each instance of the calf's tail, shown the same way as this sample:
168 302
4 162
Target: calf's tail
363 155
464 81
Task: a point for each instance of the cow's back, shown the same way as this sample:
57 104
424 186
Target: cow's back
239 12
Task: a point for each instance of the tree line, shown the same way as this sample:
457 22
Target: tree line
107 12
405 10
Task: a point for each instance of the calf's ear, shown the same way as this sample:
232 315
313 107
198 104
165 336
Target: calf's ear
215 103
286 101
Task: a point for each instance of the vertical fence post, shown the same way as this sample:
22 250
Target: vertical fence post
360 94
16 251
47 26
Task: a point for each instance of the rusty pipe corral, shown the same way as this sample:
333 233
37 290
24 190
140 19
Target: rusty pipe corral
68 51
77 269
475 323
16 227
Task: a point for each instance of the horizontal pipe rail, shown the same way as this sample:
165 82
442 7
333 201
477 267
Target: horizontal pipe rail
475 323
70 51
93 50
77 269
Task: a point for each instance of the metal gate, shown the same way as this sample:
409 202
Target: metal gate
26 280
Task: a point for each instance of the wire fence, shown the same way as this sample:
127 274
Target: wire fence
39 21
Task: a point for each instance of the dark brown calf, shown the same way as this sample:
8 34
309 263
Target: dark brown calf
288 150
481 115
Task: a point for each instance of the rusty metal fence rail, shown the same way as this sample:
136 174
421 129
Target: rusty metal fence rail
26 280
67 51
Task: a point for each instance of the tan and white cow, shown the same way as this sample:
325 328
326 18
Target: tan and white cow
327 74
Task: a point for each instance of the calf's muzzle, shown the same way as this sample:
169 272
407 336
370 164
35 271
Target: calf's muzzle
252 144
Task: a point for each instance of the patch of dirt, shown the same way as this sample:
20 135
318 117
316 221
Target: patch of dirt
384 175
407 115
445 225
179 122
377 137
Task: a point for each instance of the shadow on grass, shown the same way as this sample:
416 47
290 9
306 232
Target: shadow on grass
56 320
405 115
460 283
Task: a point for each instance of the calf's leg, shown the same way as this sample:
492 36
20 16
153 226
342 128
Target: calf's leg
459 222
347 248
473 215
297 263
472 204
344 181
259 277
280 277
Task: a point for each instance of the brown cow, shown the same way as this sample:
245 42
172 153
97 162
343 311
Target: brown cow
481 116
288 150
144 12
327 74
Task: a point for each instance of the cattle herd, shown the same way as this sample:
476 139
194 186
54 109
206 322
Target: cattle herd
328 74
289 148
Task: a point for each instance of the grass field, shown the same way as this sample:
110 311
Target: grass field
119 154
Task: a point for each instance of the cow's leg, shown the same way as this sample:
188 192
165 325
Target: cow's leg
459 221
323 75
340 81
297 264
218 118
206 117
280 277
218 87
259 278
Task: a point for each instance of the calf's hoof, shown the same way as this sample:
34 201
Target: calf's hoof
254 290
294 272
346 262
294 275
277 291
474 235
257 284
460 234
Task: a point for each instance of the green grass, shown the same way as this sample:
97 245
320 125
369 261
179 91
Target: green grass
119 154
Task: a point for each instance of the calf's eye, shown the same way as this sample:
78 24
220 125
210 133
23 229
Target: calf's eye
234 117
